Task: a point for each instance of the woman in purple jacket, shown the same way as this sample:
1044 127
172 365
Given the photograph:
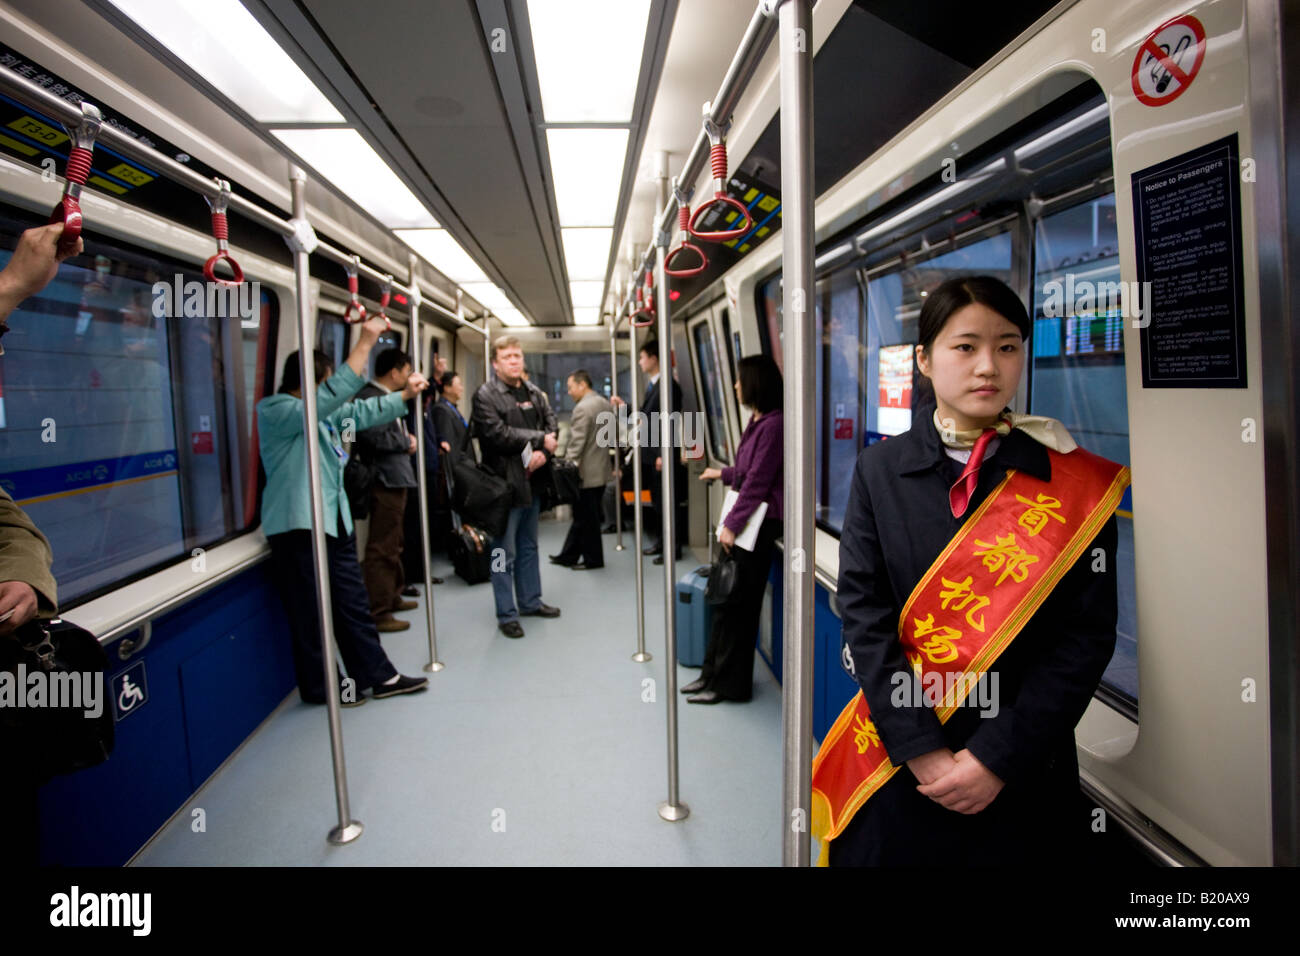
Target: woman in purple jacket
758 477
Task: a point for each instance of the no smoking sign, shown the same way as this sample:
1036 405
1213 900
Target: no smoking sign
1168 60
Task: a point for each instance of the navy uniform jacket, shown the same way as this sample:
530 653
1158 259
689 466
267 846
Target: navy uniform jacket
897 522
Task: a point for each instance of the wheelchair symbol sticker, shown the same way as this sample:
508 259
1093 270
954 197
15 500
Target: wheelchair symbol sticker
130 691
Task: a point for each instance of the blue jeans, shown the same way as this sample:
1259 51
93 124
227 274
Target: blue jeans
523 574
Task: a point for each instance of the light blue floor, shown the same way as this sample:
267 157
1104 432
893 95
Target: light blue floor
538 751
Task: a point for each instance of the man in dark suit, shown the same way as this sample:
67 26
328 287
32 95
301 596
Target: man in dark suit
389 448
653 458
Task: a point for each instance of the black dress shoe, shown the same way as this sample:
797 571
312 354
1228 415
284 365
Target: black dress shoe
435 580
585 567
556 559
695 686
542 610
609 529
706 697
653 549
676 557
412 591
511 629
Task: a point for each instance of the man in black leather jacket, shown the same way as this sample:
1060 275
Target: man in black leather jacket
513 421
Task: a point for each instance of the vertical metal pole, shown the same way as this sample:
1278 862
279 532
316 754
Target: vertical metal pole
421 479
617 450
795 30
347 829
487 349
672 809
635 436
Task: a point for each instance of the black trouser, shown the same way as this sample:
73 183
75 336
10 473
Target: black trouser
654 515
583 540
354 629
729 663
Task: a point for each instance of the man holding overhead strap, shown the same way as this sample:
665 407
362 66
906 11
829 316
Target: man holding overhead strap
517 434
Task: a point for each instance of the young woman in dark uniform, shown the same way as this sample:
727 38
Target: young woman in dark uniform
979 544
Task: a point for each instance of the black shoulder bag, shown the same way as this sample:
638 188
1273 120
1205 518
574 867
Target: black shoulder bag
55 713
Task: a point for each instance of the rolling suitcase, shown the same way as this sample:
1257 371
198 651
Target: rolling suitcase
694 618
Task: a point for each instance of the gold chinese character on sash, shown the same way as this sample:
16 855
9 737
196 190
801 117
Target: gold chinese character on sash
864 734
960 592
1034 518
939 648
1006 555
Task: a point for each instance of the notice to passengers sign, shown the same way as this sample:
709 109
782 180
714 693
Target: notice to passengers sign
1168 60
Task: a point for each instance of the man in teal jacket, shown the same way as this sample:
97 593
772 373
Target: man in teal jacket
286 518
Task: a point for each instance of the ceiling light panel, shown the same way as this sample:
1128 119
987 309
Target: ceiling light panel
586 294
487 295
574 42
586 316
345 159
511 317
586 252
443 252
223 43
587 170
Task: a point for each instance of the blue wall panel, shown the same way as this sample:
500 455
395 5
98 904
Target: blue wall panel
236 636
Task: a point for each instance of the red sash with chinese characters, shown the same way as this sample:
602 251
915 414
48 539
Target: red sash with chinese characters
969 606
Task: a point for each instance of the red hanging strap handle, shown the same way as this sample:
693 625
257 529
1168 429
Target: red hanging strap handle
354 305
221 232
684 244
645 305
718 165
385 296
68 211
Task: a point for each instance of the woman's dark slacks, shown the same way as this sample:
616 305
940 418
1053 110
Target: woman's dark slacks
354 628
729 662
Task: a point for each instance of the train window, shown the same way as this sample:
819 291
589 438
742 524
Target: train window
711 380
839 393
121 426
389 339
769 300
550 372
332 337
731 342
1078 372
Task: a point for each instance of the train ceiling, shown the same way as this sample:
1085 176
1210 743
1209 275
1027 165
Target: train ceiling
448 96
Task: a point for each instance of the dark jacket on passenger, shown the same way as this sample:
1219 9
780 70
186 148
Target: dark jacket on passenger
387 448
897 522
452 427
499 424
759 472
651 478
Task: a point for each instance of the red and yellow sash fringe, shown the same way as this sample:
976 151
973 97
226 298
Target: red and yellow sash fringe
976 597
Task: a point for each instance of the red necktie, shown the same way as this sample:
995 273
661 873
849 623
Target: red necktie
959 494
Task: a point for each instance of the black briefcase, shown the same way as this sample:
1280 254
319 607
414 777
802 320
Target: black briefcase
471 554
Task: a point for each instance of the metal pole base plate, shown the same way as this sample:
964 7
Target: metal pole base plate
619 547
642 656
341 835
673 813
434 667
